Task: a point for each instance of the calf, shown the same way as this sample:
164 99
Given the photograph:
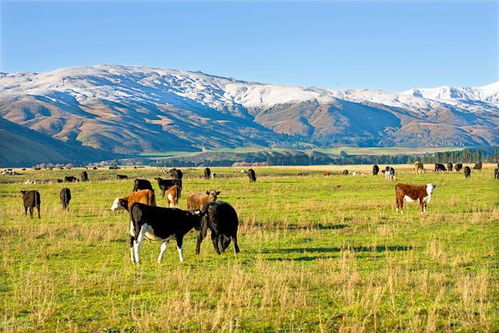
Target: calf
165 184
251 175
31 199
419 167
172 196
142 184
121 177
375 170
65 196
196 201
478 166
450 167
207 173
84 176
158 223
70 179
404 192
439 167
458 166
221 219
146 197
467 172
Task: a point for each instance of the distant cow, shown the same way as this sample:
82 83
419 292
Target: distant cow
59 181
375 170
65 196
142 184
146 197
404 192
344 172
389 173
207 173
176 173
172 196
158 223
326 174
84 176
251 175
419 167
165 184
221 218
196 201
458 166
450 167
121 177
467 172
439 167
496 173
70 179
478 166
114 168
31 199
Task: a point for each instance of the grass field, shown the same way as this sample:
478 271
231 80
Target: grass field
317 254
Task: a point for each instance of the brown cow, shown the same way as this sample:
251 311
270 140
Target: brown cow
172 196
404 192
419 167
197 201
146 197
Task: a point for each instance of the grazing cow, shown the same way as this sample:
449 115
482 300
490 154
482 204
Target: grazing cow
478 166
221 219
176 173
146 197
114 168
344 172
389 173
326 174
496 173
65 196
121 177
439 167
450 167
375 170
404 192
196 201
84 176
142 184
467 172
251 175
165 184
172 196
419 167
458 166
94 168
59 181
158 223
207 173
31 199
70 179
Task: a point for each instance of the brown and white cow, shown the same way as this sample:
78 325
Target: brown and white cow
172 196
197 201
146 197
405 192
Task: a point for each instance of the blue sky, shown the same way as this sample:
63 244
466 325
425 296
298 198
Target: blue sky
357 44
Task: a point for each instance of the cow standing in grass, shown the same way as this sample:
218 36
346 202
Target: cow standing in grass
458 167
207 173
197 201
251 175
422 194
84 176
419 167
172 196
31 199
146 197
65 196
375 170
467 172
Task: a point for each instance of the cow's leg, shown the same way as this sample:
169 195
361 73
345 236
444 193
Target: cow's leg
163 190
162 251
38 210
214 239
201 236
25 210
132 241
180 240
236 246
138 243
31 212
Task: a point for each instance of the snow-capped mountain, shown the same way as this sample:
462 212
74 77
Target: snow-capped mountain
127 109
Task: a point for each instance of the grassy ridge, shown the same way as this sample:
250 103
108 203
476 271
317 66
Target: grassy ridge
318 253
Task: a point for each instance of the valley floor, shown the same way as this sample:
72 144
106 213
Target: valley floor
317 254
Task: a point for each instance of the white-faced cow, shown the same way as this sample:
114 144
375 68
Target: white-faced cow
161 224
389 173
146 197
31 199
221 218
422 194
65 196
142 184
196 201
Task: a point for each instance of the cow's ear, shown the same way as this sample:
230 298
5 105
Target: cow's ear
218 192
208 192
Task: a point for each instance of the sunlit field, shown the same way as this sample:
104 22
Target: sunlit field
318 253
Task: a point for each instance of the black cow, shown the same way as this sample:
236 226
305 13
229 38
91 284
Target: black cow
251 175
121 177
344 172
478 166
84 176
449 167
65 196
496 173
165 184
458 166
70 179
375 169
439 167
467 171
59 181
142 184
31 199
207 173
114 168
221 218
176 173
158 223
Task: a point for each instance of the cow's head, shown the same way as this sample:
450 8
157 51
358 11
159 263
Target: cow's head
119 204
22 192
430 188
213 195
198 214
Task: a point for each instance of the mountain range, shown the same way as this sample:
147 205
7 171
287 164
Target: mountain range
116 109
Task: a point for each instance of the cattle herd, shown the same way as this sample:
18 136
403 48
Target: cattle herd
204 212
